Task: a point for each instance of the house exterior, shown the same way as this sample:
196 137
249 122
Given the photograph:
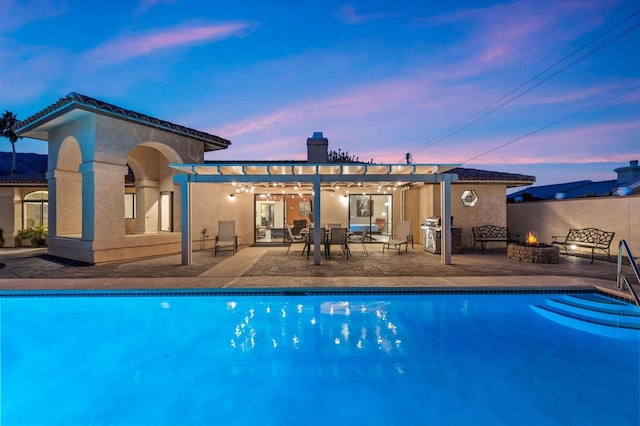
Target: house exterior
626 183
124 185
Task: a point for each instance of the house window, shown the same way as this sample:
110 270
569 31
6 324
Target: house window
130 206
166 211
35 209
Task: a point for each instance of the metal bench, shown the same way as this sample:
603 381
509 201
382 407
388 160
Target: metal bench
591 238
490 233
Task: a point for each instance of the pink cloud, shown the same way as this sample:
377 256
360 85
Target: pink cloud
510 32
581 144
125 48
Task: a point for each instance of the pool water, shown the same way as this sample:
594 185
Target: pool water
180 359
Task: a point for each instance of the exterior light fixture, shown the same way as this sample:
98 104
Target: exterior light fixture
469 198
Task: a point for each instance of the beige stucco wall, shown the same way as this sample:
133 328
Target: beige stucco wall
11 210
548 218
491 209
88 220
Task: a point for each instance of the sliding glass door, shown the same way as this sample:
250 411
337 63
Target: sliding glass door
375 211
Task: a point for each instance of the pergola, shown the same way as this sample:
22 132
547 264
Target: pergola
318 175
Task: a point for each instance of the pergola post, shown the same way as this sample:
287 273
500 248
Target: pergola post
445 201
185 220
317 237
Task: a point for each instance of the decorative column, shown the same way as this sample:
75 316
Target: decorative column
102 201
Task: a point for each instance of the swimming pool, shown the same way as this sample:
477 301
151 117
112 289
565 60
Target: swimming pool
324 358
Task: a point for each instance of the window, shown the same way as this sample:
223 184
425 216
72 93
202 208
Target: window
304 208
35 209
130 206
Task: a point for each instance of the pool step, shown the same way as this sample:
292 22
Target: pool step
594 314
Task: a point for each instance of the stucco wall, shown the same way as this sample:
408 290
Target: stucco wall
548 218
491 208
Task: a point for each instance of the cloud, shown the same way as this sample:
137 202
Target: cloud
129 47
348 14
509 33
16 14
580 144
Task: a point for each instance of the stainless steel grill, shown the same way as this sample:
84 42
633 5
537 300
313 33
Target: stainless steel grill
432 234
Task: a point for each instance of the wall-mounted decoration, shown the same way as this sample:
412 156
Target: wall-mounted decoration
364 206
469 198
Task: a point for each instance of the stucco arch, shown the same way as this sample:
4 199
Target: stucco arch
154 187
69 155
68 189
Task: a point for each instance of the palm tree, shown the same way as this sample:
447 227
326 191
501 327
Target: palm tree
7 122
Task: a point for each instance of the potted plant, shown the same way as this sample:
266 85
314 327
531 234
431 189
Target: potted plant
38 236
23 234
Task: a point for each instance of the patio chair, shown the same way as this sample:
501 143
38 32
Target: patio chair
226 239
400 237
310 241
335 225
361 238
338 237
294 238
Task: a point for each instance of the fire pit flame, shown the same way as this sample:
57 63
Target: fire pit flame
531 239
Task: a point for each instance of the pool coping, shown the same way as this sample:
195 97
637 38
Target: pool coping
306 292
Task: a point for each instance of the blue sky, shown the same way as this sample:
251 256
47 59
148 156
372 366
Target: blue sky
379 78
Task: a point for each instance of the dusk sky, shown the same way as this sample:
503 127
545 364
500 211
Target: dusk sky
379 78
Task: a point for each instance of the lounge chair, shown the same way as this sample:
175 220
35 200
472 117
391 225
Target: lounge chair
226 239
294 238
361 238
400 237
338 237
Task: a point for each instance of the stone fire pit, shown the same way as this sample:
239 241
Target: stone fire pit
533 253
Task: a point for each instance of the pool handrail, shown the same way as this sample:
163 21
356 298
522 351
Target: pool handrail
621 277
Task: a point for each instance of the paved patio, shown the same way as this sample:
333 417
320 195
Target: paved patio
271 267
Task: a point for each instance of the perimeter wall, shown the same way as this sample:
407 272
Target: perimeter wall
546 218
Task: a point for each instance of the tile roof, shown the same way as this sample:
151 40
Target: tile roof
488 175
25 179
578 189
77 100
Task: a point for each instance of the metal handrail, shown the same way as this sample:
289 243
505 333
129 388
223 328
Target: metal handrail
621 277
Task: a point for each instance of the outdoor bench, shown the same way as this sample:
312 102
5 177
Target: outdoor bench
591 238
490 233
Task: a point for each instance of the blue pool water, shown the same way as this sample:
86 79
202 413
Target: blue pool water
180 359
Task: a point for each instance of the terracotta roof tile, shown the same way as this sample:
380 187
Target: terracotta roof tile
92 104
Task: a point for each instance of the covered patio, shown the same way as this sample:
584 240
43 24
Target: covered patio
318 177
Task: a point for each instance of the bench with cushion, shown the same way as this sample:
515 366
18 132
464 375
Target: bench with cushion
590 238
490 233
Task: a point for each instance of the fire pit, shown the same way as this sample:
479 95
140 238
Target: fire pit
532 251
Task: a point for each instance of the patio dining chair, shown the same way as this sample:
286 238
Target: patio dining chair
310 240
300 238
361 238
226 240
338 237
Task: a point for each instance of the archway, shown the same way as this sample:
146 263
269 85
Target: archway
153 196
68 190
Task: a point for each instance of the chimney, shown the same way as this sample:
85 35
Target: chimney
628 174
317 149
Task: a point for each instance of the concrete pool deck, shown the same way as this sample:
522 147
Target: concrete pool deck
271 267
